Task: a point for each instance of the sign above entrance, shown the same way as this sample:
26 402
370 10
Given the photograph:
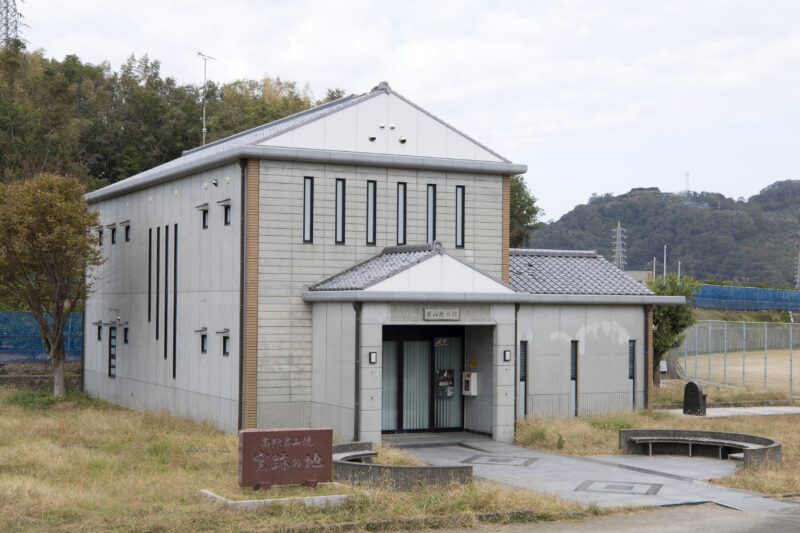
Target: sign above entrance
441 313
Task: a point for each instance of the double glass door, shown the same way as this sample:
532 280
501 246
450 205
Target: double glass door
422 384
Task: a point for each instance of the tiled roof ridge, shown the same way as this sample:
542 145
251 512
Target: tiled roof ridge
553 253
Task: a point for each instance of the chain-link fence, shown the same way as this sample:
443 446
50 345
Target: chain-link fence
20 340
742 354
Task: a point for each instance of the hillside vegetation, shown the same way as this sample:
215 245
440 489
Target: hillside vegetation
752 242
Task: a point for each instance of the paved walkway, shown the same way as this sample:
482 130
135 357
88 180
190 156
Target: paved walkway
607 481
716 412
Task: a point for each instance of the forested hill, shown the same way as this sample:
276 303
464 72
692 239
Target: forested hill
752 242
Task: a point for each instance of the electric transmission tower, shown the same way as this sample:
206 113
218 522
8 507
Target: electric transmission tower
618 243
9 21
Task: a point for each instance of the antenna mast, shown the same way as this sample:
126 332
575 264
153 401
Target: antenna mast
205 59
618 243
797 272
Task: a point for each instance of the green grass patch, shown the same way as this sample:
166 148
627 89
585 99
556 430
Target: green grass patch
31 399
611 422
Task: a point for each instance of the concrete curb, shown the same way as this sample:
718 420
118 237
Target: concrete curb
756 403
333 500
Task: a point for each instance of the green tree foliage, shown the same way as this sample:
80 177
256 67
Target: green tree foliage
88 121
524 213
749 242
47 244
670 321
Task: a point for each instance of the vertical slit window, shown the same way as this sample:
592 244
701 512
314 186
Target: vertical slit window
113 235
401 213
371 202
459 216
158 275
227 215
127 234
125 335
226 345
340 207
166 287
175 297
573 361
431 233
203 343
99 332
149 273
205 218
523 361
308 209
100 237
631 359
112 352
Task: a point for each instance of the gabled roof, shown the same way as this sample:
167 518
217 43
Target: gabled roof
569 272
392 260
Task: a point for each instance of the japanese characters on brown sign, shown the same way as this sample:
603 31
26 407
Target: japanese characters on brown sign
285 457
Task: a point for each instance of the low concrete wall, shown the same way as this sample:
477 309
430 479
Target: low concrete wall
398 477
766 451
39 382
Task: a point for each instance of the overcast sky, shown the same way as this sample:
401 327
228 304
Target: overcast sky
593 96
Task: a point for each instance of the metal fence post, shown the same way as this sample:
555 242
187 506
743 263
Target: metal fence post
765 356
744 347
790 359
725 353
709 351
685 356
696 334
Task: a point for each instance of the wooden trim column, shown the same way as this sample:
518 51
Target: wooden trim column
506 226
250 295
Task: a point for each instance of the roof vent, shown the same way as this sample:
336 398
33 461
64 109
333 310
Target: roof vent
382 86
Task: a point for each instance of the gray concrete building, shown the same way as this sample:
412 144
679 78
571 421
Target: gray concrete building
348 266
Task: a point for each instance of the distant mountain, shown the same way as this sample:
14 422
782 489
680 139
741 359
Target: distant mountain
752 242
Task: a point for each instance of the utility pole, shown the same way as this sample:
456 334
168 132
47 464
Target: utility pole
9 21
205 59
618 242
654 268
679 270
665 261
797 272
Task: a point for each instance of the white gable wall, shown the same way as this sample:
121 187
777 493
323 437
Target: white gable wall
350 129
440 273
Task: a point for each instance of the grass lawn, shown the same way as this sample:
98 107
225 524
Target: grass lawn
85 465
671 392
598 436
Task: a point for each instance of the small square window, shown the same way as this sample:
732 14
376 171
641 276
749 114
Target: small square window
125 335
227 215
99 332
203 343
113 235
127 233
205 218
226 345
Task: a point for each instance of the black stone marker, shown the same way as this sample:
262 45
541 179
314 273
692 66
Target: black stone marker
694 401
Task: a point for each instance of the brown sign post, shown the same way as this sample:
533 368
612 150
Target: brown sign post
296 456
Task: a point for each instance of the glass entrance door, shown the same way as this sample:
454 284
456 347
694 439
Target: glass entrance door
448 365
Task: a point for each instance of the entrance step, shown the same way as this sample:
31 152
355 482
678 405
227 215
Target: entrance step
429 440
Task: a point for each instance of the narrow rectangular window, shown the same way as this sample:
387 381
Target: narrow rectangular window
459 216
203 343
125 335
127 234
166 287
158 275
308 209
100 237
113 235
205 218
523 361
340 211
174 298
401 213
371 202
99 332
149 273
573 361
431 233
226 345
227 215
112 352
631 359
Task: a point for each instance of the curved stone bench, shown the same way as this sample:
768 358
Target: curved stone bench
352 464
753 450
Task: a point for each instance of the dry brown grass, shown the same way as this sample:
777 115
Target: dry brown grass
389 455
671 392
143 472
598 436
